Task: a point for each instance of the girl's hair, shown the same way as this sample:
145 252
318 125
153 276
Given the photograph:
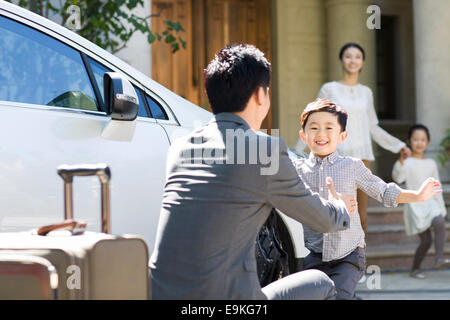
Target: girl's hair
418 127
351 45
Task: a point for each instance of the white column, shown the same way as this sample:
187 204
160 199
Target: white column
432 67
299 61
347 22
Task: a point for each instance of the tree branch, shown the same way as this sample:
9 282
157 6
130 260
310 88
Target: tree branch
156 15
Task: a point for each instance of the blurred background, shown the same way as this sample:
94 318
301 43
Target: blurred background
407 57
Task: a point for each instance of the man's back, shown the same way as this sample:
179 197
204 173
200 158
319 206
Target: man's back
211 214
216 199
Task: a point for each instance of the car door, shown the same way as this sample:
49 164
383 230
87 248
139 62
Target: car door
51 113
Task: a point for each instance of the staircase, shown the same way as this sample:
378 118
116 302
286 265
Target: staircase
388 246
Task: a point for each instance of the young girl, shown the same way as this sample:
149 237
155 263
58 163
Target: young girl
421 216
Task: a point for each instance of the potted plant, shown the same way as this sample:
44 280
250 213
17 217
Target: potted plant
444 153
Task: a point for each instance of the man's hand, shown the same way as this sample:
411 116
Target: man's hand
349 200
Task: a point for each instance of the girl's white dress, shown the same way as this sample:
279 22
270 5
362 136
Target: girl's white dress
362 123
414 172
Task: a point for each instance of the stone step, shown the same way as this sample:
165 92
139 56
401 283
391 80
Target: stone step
388 246
393 233
396 257
377 214
382 215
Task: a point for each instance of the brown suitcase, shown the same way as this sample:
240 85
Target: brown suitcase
27 277
74 264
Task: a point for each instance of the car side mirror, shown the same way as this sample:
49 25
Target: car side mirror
121 101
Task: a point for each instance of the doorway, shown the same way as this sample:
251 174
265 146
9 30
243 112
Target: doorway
209 26
395 77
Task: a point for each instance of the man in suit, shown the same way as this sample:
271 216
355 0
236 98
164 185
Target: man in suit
222 182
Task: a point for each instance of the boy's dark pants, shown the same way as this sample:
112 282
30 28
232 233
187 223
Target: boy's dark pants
345 272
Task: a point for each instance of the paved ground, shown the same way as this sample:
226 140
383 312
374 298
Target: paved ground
400 286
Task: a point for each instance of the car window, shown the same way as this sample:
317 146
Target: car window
99 70
156 110
38 69
142 111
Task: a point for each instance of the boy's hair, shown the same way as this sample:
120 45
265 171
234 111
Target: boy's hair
324 105
233 76
418 127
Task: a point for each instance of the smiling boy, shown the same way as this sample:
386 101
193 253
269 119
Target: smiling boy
341 254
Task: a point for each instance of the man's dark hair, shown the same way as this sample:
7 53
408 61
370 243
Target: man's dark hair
418 127
324 105
234 75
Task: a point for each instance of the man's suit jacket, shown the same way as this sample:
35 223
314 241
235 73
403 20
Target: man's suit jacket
213 208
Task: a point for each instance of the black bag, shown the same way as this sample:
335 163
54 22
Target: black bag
271 258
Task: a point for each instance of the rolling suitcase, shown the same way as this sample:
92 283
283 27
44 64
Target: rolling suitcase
51 263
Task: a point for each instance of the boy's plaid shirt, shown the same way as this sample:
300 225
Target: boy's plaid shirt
348 174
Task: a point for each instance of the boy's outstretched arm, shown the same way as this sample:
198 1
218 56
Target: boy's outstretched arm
425 192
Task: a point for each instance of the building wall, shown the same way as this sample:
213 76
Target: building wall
299 61
138 51
307 36
307 39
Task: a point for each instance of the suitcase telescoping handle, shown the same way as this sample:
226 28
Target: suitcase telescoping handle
67 172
